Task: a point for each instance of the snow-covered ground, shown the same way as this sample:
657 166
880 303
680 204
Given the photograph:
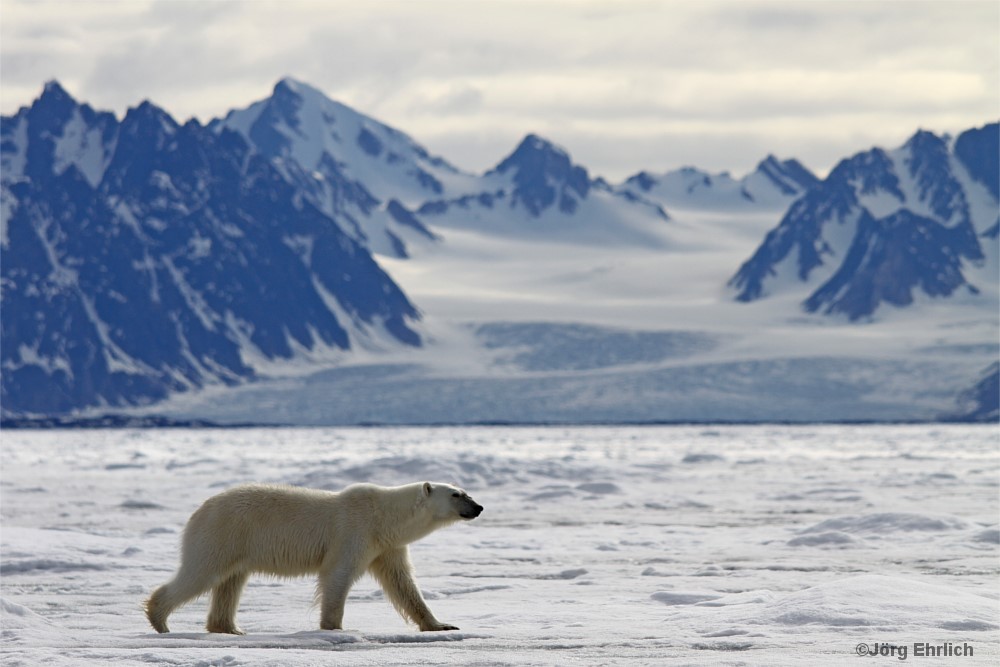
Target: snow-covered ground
755 545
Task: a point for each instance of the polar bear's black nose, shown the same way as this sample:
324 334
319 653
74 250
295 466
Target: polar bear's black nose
473 511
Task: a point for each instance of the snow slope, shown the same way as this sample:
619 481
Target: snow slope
620 546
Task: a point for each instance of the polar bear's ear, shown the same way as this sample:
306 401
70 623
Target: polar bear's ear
428 488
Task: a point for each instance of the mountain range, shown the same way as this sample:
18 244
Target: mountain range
143 257
146 260
886 225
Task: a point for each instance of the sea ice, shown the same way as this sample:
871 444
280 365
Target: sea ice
778 545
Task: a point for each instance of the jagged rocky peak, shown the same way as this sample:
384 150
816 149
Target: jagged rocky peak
277 112
288 87
289 90
979 151
47 115
867 172
148 120
53 87
773 184
543 173
926 141
283 123
643 180
55 99
285 101
143 135
930 166
789 176
57 133
537 156
927 157
312 134
297 113
937 176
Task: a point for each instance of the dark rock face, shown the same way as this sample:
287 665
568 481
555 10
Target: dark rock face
979 151
888 259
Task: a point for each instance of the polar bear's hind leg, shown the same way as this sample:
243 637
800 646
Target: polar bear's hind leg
225 601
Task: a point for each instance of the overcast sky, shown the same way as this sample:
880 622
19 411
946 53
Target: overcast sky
623 85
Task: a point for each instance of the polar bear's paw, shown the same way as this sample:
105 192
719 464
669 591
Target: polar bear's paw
437 627
225 628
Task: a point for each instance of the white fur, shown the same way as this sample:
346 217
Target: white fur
291 531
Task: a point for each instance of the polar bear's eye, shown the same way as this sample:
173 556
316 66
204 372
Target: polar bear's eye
454 495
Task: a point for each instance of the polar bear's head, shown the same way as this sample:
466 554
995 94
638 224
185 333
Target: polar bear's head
450 503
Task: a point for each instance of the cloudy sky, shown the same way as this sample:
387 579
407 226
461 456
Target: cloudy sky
623 85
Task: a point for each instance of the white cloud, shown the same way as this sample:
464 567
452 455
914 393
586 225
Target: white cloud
623 85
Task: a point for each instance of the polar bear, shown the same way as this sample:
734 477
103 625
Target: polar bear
290 531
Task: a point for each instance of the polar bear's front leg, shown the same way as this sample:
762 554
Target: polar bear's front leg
394 573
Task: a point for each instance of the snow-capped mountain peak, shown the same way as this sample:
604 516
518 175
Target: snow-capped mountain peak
535 153
54 101
62 134
976 149
790 177
299 123
347 164
148 122
930 166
